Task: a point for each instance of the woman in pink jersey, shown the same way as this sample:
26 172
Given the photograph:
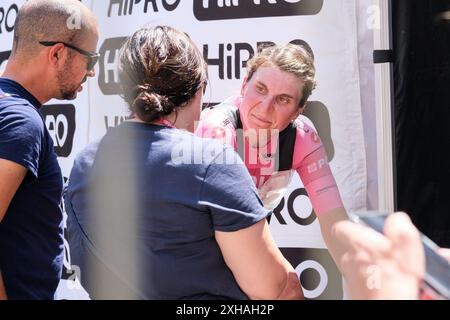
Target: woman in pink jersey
263 125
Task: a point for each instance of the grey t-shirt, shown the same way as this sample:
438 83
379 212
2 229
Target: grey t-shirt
163 194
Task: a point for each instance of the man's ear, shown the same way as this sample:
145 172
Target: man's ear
55 53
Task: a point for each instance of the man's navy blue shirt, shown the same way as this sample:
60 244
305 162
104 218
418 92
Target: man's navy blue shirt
31 234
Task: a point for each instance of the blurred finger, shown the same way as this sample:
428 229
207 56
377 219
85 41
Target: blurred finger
352 235
445 253
406 244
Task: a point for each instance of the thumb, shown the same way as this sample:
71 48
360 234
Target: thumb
406 244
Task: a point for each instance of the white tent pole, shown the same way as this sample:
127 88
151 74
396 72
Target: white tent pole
384 105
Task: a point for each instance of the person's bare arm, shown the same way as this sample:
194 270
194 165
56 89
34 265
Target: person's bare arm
3 295
327 222
257 264
11 176
322 189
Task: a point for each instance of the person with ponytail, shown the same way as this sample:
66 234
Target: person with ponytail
155 212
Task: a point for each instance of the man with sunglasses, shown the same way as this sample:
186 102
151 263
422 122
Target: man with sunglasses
53 54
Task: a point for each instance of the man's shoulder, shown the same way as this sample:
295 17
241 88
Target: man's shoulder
15 108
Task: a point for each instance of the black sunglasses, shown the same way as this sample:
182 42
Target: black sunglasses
92 56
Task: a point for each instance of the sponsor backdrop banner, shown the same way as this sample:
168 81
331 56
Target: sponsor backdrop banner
229 32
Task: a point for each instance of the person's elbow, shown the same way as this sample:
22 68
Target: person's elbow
286 288
292 289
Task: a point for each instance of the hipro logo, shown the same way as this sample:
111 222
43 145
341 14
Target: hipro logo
127 7
8 18
108 78
60 123
319 275
297 217
4 56
241 9
228 58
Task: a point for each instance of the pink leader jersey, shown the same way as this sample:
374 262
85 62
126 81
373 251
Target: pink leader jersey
309 160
